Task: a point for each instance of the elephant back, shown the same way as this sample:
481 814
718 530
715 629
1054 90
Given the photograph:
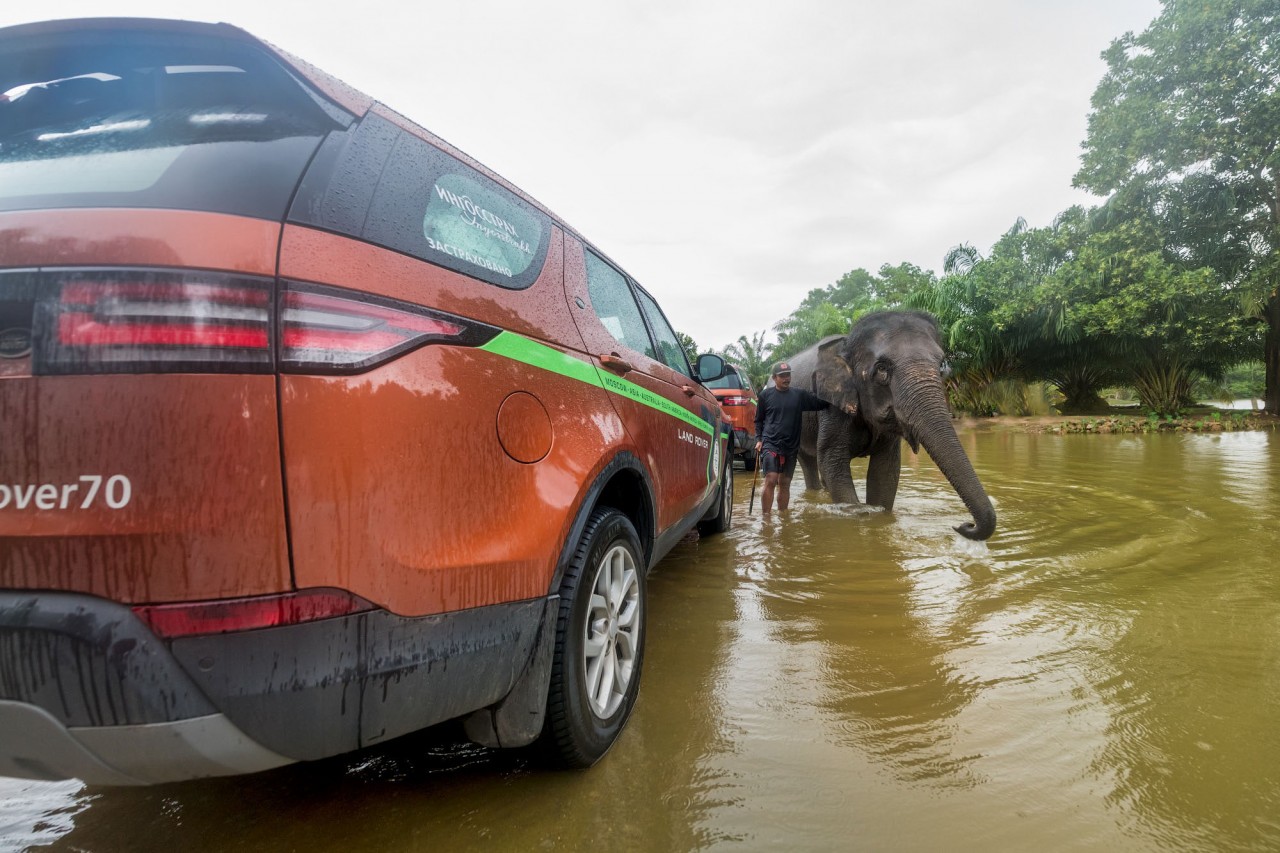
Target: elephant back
804 364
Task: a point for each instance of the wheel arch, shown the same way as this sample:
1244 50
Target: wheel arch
624 484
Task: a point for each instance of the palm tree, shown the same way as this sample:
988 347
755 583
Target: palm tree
752 356
968 301
806 326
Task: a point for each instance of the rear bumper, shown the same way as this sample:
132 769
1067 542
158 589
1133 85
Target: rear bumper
34 744
86 691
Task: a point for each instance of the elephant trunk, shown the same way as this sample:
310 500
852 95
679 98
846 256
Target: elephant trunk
922 414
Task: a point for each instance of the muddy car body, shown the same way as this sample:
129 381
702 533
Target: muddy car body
315 431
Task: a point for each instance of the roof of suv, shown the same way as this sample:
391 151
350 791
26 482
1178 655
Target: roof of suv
22 46
28 39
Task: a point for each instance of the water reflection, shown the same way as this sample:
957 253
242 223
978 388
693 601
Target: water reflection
1192 683
864 640
1101 674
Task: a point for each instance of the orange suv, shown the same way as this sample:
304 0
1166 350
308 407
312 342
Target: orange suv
315 431
738 400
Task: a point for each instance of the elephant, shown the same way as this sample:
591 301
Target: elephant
890 367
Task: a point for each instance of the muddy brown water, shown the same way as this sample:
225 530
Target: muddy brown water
1104 673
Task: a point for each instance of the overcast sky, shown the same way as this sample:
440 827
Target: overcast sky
731 155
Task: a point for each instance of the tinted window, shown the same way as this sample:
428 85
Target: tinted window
474 221
616 307
130 119
730 381
672 354
383 184
339 186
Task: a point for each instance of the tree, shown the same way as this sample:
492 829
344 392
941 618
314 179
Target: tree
807 326
752 356
1050 343
833 309
897 283
1171 323
690 348
1242 382
854 290
1188 110
981 305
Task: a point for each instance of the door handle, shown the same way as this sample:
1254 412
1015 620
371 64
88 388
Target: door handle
688 389
616 363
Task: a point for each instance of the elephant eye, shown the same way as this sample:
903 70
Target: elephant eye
882 372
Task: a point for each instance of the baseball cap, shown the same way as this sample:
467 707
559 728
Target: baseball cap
781 367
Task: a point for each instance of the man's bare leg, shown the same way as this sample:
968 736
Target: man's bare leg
784 491
766 497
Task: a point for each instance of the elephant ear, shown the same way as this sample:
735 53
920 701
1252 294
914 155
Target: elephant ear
833 378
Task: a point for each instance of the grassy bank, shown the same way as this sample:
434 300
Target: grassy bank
1203 419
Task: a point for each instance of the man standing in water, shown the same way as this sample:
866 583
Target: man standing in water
778 416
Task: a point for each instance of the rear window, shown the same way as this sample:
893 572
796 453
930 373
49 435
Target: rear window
731 381
153 119
380 183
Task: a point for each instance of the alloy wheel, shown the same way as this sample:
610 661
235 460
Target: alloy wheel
613 627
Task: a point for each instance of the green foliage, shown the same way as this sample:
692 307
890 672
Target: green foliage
1186 116
985 310
1169 324
1196 89
1241 382
832 310
897 283
690 348
1245 381
1209 422
807 326
1036 321
1096 299
754 356
854 291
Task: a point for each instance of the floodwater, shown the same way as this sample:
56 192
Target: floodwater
1104 673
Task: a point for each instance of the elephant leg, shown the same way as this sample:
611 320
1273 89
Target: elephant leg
808 453
809 465
834 452
883 471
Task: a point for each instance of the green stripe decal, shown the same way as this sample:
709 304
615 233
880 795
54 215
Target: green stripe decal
522 349
623 388
530 352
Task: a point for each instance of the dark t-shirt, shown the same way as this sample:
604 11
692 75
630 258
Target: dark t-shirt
778 415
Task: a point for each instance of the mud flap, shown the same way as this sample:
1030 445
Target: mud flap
517 719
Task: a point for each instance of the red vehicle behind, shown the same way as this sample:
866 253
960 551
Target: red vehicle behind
738 399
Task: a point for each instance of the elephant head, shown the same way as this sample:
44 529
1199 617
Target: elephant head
891 367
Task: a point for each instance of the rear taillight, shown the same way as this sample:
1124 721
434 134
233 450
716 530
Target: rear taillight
142 321
156 321
735 401
326 330
190 619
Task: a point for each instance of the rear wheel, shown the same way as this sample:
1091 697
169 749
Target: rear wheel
595 675
749 460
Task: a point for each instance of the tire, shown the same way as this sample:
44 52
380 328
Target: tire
724 518
749 460
599 652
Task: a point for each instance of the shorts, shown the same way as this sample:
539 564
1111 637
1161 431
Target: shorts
776 463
